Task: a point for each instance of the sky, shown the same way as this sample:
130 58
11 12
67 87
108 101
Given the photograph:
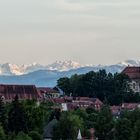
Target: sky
87 31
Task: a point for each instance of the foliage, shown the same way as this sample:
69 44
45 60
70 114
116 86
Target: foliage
136 131
68 126
123 129
2 134
17 118
35 135
22 136
107 87
104 124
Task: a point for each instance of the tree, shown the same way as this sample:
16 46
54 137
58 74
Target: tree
68 126
136 131
22 136
105 86
17 118
2 134
64 84
104 124
35 135
3 115
123 129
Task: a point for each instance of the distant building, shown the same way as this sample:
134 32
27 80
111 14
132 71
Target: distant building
8 92
130 106
134 75
84 102
48 130
48 92
116 110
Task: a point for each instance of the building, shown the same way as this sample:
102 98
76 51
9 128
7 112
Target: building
130 106
83 103
8 92
48 130
134 74
48 92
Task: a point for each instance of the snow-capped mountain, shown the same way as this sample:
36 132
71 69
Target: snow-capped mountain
130 63
48 75
13 69
64 65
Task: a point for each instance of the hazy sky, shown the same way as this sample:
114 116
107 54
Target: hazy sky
88 31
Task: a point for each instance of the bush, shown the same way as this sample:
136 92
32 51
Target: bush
22 136
35 135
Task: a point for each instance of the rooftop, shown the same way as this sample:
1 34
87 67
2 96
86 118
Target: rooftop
132 72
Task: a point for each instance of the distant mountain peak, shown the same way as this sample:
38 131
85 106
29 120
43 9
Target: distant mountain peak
41 75
130 62
13 69
64 65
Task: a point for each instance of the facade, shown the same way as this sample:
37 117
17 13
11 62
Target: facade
8 92
48 92
79 102
134 75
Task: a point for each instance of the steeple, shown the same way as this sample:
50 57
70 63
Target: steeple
79 137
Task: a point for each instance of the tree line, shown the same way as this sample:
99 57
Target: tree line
24 120
106 126
110 88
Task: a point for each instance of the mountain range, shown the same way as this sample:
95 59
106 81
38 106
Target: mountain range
42 75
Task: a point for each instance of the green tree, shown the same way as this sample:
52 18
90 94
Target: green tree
17 118
22 136
3 114
2 134
64 84
35 135
136 131
123 129
68 126
104 124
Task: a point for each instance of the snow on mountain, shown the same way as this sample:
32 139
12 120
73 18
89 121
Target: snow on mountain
13 69
41 75
64 65
130 63
48 75
10 69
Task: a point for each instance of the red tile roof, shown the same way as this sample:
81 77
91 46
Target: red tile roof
22 91
59 100
130 105
115 109
132 72
47 90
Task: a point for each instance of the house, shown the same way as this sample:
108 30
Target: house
8 92
116 111
134 74
48 92
48 130
88 102
130 106
84 102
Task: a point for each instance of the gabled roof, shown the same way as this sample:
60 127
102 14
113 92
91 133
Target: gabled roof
48 130
22 91
130 105
47 90
132 72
